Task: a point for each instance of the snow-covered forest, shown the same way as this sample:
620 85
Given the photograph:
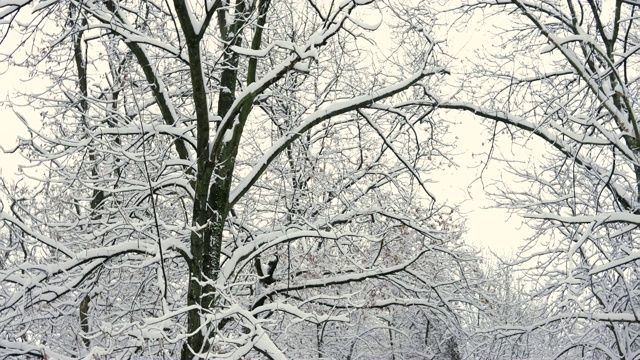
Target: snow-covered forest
253 179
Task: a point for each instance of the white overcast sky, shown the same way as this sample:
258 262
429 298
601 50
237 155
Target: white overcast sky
488 226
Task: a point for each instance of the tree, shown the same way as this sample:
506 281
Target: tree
495 328
565 73
222 178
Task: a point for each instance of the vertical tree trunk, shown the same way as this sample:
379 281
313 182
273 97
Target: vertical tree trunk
98 196
391 344
211 203
84 319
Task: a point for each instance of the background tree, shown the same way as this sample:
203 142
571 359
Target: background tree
226 178
564 74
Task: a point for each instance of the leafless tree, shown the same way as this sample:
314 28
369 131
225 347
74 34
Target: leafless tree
563 75
226 178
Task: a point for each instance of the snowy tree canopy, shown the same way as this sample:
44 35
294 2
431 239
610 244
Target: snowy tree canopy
226 180
253 179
